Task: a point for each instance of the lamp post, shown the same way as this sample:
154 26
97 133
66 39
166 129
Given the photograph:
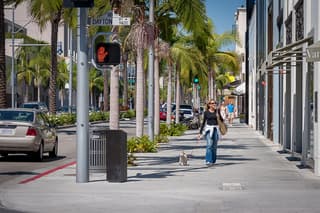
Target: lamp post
151 79
13 73
70 69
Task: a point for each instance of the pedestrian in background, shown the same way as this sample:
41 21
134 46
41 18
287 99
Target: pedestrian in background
223 110
210 130
231 111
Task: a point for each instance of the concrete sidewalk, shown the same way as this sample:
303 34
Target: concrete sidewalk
249 176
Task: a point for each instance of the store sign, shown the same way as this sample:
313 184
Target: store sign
313 52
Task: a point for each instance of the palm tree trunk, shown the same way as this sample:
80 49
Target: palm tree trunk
3 78
114 77
38 90
139 92
114 98
214 89
169 91
26 95
105 91
91 97
177 93
54 63
210 86
156 92
61 97
125 81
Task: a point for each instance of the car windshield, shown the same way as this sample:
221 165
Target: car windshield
41 106
186 112
31 106
185 106
16 116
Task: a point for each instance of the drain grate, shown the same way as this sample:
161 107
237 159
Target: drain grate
232 187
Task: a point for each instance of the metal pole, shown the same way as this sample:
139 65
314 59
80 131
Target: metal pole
70 69
82 101
13 77
151 79
198 103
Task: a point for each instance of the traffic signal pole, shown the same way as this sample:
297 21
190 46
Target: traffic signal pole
82 168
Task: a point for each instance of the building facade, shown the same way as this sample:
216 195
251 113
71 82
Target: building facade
240 23
18 20
283 79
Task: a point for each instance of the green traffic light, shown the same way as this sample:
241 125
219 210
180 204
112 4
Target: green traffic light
196 80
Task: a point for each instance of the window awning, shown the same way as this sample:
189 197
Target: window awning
286 54
232 84
240 90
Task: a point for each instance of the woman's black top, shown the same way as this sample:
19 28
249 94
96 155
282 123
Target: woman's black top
210 118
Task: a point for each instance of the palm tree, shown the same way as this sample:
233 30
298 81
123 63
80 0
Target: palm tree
62 78
191 16
184 56
226 74
45 12
40 66
215 57
95 81
161 50
3 78
24 74
24 55
140 37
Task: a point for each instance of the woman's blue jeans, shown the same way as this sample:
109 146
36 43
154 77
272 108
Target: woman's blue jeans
212 143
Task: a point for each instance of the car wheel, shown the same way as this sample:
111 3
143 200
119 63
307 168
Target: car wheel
39 154
54 152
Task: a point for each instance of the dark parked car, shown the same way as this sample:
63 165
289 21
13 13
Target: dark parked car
36 105
27 131
163 114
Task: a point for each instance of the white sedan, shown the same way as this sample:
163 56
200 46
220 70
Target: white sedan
27 131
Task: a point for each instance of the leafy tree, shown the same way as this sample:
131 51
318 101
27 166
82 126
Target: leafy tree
45 12
40 66
95 82
140 37
62 78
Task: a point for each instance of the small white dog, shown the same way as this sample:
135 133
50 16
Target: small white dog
183 159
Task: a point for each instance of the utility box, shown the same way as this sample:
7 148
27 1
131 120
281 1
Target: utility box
116 152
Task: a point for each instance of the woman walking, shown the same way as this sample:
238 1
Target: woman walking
210 130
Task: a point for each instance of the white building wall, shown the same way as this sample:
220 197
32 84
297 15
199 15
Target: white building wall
241 22
315 17
276 79
22 17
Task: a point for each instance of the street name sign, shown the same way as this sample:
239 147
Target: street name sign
110 18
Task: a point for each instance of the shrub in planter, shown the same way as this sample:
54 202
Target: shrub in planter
141 144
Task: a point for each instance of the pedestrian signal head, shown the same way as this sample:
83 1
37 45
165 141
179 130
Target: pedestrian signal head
107 53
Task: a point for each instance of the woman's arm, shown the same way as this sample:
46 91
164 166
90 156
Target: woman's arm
204 121
221 118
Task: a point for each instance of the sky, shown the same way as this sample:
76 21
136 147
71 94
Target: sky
222 12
